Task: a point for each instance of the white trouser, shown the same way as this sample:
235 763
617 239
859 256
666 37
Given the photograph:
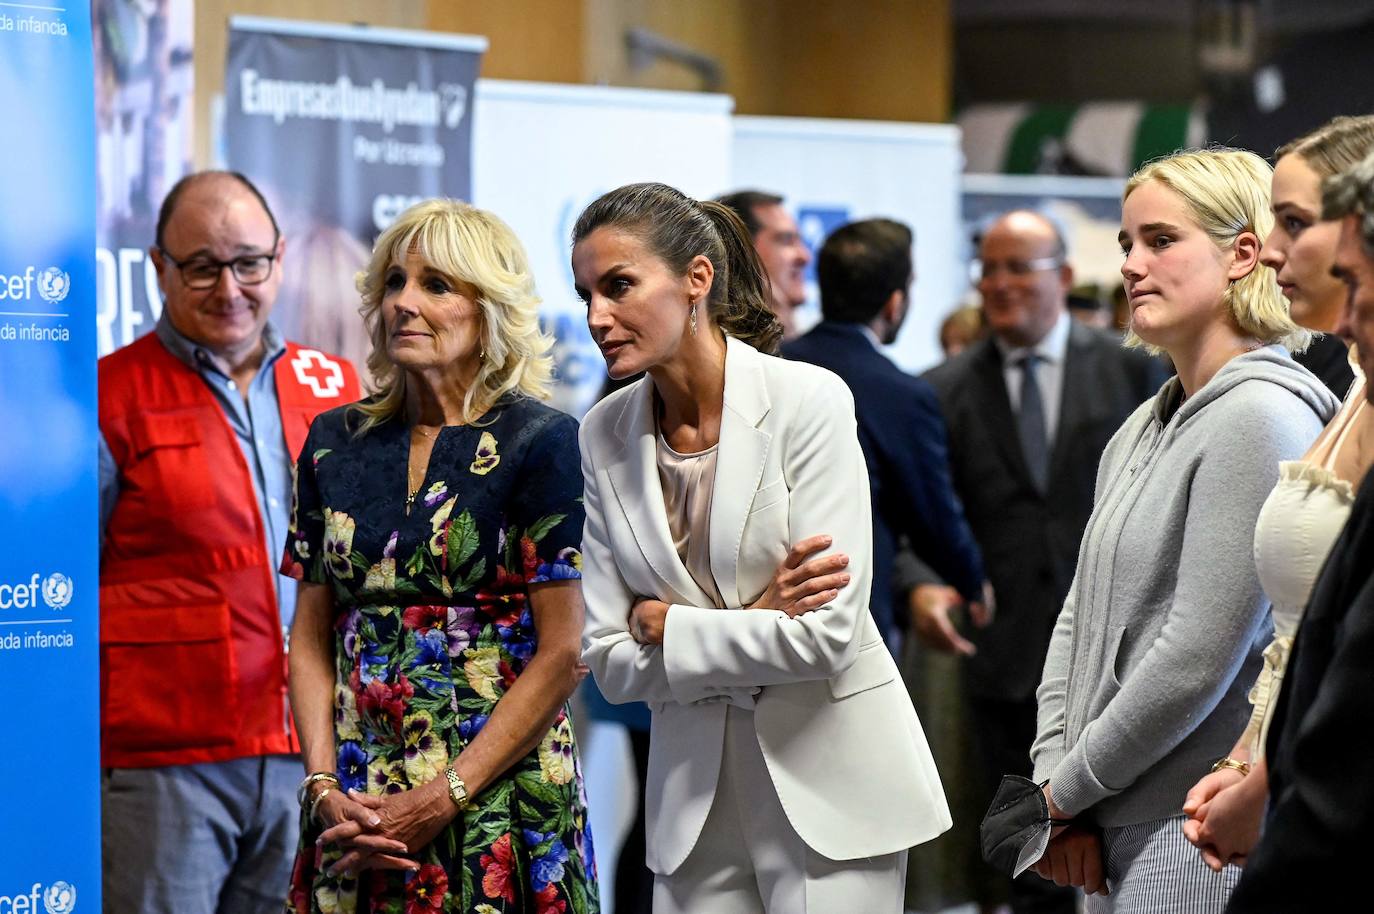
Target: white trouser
749 860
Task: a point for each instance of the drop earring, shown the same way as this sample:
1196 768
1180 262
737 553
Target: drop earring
692 318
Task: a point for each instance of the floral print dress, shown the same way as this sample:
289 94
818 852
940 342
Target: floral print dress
433 626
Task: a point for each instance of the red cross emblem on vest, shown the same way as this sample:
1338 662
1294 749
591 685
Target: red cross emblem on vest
321 374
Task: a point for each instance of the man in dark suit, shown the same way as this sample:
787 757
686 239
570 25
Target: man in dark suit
1029 412
865 273
1320 750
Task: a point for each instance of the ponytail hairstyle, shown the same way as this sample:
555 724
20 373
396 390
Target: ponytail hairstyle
1352 193
677 229
1334 147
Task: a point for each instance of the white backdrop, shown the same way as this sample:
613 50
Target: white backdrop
542 152
835 171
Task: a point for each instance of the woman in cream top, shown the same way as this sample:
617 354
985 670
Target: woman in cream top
1296 529
1307 509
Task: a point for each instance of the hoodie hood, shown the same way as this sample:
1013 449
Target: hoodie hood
1271 364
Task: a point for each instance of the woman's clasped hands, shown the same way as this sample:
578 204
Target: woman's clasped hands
1225 811
382 832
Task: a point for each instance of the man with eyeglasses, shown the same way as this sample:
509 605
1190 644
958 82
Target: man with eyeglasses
1029 411
200 425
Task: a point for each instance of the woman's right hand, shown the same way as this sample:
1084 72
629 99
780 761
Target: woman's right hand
353 829
799 586
1074 857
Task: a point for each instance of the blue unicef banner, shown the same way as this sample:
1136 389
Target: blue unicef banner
50 839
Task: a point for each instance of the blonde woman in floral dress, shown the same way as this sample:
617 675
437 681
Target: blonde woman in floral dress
436 533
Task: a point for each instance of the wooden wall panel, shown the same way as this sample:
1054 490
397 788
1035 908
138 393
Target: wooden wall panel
881 59
741 35
538 40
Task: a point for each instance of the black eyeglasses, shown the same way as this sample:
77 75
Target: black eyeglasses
204 272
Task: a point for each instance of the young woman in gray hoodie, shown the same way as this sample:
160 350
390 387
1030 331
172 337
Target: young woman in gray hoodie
1145 683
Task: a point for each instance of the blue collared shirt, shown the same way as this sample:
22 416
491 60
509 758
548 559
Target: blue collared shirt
256 422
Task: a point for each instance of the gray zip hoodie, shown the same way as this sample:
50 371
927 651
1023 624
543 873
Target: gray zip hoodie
1146 679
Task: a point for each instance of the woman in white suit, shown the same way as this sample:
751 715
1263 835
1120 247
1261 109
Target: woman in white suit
787 770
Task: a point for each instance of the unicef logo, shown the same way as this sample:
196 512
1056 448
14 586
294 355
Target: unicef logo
53 284
57 593
60 898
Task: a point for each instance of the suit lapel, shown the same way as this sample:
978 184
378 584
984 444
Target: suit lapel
740 460
634 479
992 393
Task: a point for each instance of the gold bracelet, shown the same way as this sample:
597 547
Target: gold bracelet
1233 764
303 791
315 803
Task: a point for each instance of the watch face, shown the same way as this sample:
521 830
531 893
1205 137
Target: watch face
456 788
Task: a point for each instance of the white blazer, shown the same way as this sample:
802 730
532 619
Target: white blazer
842 743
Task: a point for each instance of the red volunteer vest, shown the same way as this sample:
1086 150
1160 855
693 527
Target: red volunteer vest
191 661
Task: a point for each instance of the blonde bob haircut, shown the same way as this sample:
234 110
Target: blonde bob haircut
473 247
1227 193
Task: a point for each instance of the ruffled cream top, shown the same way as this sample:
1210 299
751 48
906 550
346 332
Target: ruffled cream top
1296 529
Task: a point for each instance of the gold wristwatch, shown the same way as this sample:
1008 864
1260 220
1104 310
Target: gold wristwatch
457 790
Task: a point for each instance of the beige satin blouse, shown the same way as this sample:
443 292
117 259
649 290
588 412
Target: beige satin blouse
688 482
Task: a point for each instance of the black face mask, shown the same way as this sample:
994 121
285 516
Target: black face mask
1016 830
